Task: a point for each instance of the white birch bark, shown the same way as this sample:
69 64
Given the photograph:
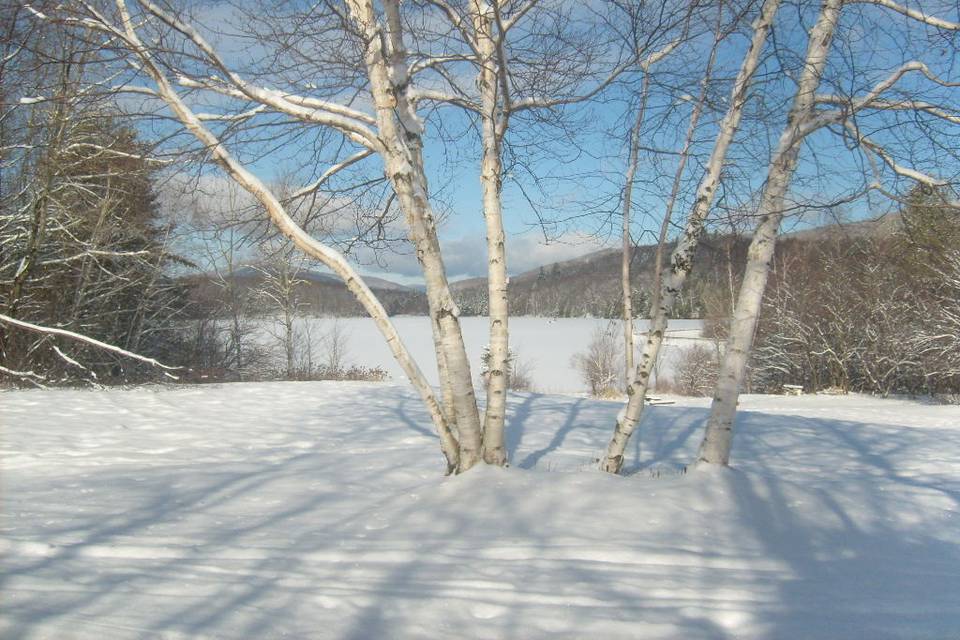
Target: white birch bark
682 165
681 261
630 174
446 390
328 256
401 132
715 448
491 175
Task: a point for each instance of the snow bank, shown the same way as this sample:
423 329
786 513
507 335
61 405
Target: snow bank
318 510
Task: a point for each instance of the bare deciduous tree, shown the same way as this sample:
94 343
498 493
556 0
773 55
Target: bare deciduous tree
803 119
393 132
82 246
681 261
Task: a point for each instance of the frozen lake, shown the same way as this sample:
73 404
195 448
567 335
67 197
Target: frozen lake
546 345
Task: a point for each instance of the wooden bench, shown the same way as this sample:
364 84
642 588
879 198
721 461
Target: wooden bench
793 389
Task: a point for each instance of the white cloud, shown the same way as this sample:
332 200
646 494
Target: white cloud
200 203
466 256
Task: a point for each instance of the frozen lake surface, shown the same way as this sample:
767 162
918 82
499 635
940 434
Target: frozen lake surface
545 344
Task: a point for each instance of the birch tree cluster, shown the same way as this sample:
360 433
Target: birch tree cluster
754 108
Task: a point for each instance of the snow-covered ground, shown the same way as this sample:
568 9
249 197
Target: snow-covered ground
545 345
318 510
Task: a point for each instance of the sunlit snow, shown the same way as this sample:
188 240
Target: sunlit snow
319 510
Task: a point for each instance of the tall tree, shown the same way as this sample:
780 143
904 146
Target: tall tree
802 120
82 246
681 261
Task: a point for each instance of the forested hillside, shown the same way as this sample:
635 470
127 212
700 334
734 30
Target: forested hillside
581 287
545 291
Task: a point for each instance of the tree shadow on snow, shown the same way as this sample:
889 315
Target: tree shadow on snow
543 407
844 513
814 534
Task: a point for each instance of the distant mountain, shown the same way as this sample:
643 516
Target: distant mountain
585 286
590 285
318 293
871 228
326 278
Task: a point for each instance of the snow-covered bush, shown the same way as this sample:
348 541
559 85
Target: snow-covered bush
695 373
519 372
521 375
868 314
601 365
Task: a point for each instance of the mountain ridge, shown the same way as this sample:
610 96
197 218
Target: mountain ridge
587 285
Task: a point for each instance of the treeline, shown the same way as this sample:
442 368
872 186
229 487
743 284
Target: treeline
590 286
545 291
82 242
213 294
876 314
84 251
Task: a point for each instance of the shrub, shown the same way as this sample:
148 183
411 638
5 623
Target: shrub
519 372
521 375
696 372
353 372
601 365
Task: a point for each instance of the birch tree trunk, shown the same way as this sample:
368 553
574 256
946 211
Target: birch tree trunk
682 165
401 131
715 448
446 390
681 261
634 160
300 238
491 176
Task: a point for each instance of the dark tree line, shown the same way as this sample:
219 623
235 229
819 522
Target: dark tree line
590 286
82 241
875 314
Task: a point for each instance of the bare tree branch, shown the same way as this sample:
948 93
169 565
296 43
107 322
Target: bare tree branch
915 14
29 326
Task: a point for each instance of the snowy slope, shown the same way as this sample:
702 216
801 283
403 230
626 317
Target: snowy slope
318 510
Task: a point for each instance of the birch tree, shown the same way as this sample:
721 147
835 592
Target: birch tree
803 119
393 132
282 280
386 126
720 32
681 261
514 79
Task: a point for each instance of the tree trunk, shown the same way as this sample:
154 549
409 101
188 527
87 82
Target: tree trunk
446 390
305 242
86 263
401 132
411 194
288 317
715 448
625 259
491 176
681 262
681 167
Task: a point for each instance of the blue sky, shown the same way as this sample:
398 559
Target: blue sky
593 159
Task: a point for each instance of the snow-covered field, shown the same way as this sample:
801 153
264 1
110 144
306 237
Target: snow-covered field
546 345
318 510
